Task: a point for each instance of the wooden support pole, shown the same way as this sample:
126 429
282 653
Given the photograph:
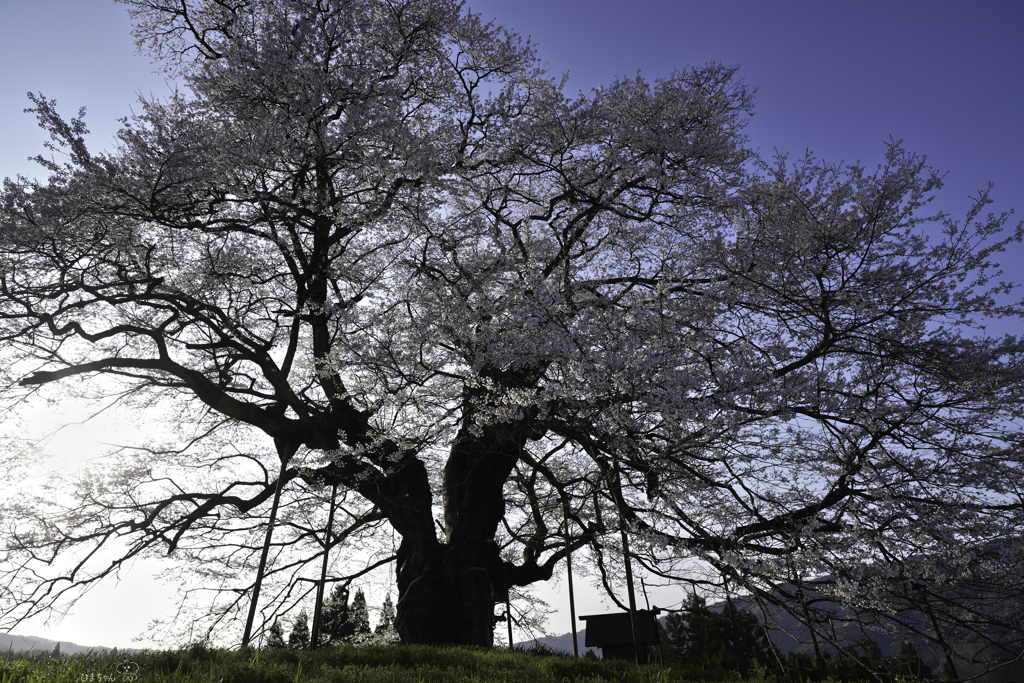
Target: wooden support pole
285 453
318 608
568 566
508 618
620 504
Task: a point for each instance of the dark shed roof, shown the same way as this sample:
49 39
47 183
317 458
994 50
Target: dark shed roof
605 630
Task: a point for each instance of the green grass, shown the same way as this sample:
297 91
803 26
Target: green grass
368 664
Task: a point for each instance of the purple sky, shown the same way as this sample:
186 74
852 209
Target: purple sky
838 78
946 77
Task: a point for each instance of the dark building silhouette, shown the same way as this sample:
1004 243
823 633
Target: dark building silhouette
613 633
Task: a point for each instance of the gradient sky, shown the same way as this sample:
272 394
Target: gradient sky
838 78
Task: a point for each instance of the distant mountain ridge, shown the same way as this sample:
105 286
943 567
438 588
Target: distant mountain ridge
562 643
14 644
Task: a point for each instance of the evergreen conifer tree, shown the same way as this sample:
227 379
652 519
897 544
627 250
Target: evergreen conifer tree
275 640
359 615
695 636
298 639
335 626
908 664
386 622
56 652
698 636
872 658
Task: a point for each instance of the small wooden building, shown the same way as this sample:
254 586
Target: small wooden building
613 633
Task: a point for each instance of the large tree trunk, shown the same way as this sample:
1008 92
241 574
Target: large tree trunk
445 595
447 589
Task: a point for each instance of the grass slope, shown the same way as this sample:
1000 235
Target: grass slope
369 664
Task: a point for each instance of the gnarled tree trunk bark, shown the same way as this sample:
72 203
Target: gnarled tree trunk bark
447 588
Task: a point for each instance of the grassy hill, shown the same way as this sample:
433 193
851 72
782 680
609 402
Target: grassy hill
370 664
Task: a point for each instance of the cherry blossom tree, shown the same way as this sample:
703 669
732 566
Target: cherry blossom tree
378 237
